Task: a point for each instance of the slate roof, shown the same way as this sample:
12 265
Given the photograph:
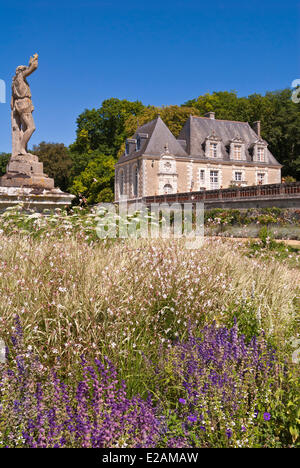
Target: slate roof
158 136
194 133
197 129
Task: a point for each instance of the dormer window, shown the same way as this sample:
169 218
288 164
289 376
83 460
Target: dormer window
138 143
213 146
237 149
260 154
258 151
213 152
237 152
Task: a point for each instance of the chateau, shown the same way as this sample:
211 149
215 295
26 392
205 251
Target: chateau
209 154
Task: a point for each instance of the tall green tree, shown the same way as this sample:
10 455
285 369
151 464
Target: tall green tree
57 162
103 129
96 181
4 158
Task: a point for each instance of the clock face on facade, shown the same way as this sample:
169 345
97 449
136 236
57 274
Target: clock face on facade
168 166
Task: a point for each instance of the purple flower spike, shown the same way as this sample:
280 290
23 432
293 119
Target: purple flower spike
192 418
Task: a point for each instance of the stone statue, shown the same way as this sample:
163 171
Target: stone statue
24 169
25 181
22 108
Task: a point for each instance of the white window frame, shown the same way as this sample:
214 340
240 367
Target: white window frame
237 151
135 181
213 150
214 184
260 154
202 177
237 148
261 181
240 175
213 147
121 182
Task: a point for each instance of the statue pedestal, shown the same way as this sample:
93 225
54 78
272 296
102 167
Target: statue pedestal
25 182
37 199
25 170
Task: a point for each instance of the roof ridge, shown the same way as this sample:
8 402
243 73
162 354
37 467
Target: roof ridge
219 120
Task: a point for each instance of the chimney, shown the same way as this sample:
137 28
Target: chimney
210 115
256 128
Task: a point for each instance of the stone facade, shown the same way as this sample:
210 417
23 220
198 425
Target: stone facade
209 154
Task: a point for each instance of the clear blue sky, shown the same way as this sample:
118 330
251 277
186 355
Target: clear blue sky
160 52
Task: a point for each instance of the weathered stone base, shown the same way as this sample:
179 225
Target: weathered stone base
25 170
26 181
37 199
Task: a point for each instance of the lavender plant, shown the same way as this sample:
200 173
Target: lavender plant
39 410
214 390
225 391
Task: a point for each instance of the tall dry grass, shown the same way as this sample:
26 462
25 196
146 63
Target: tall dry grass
130 300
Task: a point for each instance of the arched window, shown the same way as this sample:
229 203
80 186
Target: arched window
121 183
168 188
135 177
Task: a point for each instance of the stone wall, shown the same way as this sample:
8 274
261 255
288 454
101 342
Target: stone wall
188 176
259 196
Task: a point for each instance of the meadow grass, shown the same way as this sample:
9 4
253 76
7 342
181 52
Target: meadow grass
129 299
142 305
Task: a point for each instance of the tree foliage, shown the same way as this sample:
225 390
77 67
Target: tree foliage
4 158
96 181
57 162
104 128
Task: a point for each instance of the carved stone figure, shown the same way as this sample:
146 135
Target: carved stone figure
22 108
24 169
25 181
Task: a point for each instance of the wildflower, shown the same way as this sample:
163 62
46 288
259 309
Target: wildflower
267 416
192 418
182 401
228 433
